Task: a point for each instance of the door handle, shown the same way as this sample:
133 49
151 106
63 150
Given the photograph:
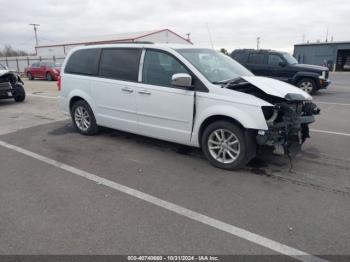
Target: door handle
127 89
144 92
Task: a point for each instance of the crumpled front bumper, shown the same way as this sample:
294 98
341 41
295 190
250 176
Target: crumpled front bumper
290 129
6 90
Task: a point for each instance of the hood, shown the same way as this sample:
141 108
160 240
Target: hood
277 88
311 67
2 72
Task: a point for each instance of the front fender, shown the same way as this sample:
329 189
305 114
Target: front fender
301 75
250 117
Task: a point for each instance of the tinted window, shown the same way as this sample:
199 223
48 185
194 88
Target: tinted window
159 67
122 64
256 58
84 62
240 57
274 60
35 65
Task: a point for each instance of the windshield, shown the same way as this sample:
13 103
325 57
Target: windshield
215 66
290 59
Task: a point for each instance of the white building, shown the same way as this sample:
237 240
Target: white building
157 36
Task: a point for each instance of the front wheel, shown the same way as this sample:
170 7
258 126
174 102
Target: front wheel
19 94
308 85
224 145
83 118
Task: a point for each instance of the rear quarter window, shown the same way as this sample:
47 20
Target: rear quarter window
240 57
83 62
257 59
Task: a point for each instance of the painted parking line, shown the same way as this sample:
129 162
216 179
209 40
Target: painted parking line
212 222
329 132
331 103
43 96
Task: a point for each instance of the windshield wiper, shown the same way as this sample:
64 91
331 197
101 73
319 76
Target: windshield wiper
237 81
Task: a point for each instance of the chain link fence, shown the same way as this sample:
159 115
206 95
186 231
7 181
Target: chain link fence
19 63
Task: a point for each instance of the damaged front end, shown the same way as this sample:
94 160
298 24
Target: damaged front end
287 118
288 125
11 86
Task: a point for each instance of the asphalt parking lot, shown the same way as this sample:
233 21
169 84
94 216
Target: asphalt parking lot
118 193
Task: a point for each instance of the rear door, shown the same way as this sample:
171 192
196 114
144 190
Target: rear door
115 87
164 111
257 63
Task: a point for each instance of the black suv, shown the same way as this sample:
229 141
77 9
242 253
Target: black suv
284 67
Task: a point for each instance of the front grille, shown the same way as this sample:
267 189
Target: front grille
5 86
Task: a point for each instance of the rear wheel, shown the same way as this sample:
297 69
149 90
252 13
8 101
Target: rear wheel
19 94
224 145
308 85
83 118
30 76
49 76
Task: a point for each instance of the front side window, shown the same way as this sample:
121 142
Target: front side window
274 60
83 62
290 59
159 67
121 64
214 65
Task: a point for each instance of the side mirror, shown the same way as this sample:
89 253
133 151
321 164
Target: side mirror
181 80
282 64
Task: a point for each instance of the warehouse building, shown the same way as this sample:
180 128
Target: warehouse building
157 36
335 55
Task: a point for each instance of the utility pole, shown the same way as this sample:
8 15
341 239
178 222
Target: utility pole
35 26
258 43
188 36
209 34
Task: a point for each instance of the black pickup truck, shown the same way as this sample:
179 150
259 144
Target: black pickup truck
11 85
284 67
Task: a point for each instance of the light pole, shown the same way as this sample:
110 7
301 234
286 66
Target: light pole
258 43
35 26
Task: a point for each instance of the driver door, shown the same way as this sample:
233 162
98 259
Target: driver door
163 111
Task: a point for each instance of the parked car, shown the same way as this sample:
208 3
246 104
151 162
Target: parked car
192 96
11 85
284 67
45 70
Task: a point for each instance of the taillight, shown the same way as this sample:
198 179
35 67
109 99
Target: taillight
59 83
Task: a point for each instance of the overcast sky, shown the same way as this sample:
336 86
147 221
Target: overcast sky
232 23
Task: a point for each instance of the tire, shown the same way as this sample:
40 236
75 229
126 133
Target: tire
30 76
232 155
49 76
308 85
20 93
87 123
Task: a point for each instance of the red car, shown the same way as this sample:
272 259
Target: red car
45 70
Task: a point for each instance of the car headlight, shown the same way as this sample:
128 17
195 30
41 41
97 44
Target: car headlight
323 75
55 71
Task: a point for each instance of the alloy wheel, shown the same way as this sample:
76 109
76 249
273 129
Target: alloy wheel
306 86
82 118
224 146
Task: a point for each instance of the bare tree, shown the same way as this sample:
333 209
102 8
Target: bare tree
9 51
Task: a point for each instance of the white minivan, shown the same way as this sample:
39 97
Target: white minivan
183 94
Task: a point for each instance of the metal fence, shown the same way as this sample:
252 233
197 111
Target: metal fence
19 63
